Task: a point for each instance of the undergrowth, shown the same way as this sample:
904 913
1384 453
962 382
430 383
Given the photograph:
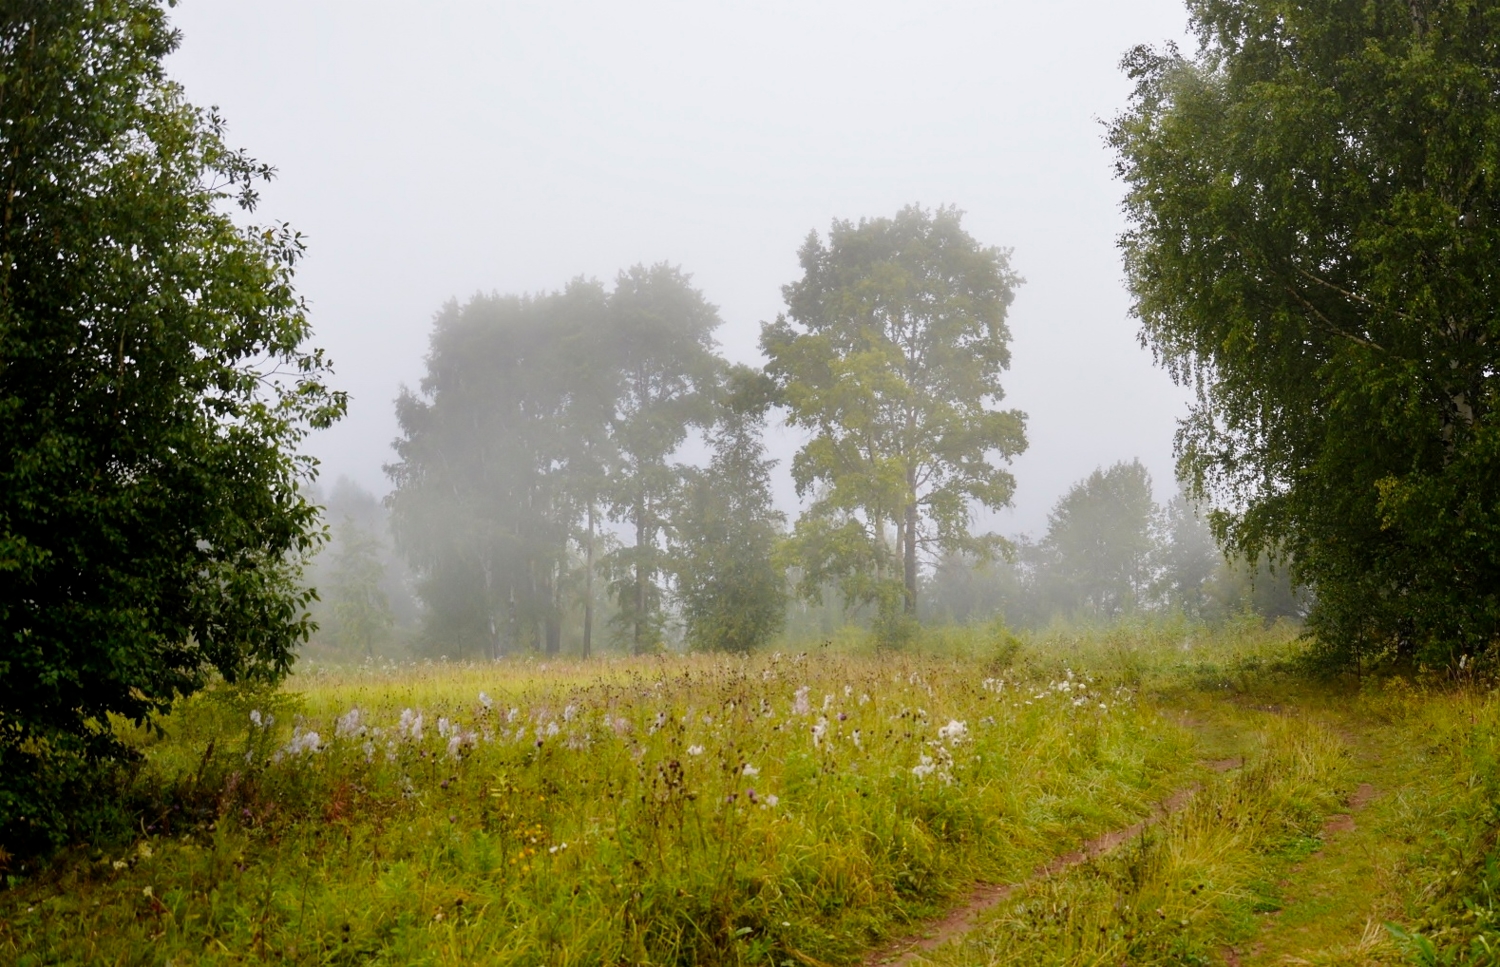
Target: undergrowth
784 808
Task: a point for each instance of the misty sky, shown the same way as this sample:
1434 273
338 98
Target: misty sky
431 151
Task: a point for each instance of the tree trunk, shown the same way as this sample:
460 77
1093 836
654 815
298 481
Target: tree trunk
909 553
640 577
588 587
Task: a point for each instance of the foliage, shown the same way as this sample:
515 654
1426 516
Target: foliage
499 463
890 355
376 567
360 605
1186 556
724 532
153 387
661 332
1314 225
1099 542
538 415
1111 552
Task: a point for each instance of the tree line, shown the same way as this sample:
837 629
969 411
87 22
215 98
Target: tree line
539 477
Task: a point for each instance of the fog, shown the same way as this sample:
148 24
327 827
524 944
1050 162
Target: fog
430 152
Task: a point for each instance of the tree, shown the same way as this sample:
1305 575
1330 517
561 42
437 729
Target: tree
1314 224
1187 557
154 384
661 331
1099 542
500 458
725 529
361 610
890 355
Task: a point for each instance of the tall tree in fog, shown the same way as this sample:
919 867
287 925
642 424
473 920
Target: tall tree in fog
661 335
1188 557
361 610
156 383
1099 542
492 454
890 354
725 528
1315 224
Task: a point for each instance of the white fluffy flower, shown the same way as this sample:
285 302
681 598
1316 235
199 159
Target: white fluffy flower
348 724
695 750
750 770
308 741
410 725
800 704
954 732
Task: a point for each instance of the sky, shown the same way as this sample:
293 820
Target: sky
432 151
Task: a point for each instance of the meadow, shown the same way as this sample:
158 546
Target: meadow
802 807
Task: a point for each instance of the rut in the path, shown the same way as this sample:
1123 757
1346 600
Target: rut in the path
985 896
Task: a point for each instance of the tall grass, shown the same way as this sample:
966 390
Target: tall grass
673 810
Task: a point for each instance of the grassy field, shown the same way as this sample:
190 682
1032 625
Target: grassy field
802 808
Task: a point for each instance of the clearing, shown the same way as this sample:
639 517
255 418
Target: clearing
1141 795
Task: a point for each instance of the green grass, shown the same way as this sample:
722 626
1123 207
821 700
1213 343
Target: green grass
694 810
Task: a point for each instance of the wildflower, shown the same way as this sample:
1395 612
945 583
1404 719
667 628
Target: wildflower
410 725
827 701
924 768
459 741
119 864
856 737
695 750
863 698
510 716
348 724
444 727
818 732
255 719
770 801
520 733
570 712
146 891
486 701
308 741
848 690
749 770
551 729
800 705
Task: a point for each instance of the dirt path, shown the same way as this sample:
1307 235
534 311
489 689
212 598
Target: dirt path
986 896
1334 902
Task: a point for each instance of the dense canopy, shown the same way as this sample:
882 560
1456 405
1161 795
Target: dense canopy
1314 206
